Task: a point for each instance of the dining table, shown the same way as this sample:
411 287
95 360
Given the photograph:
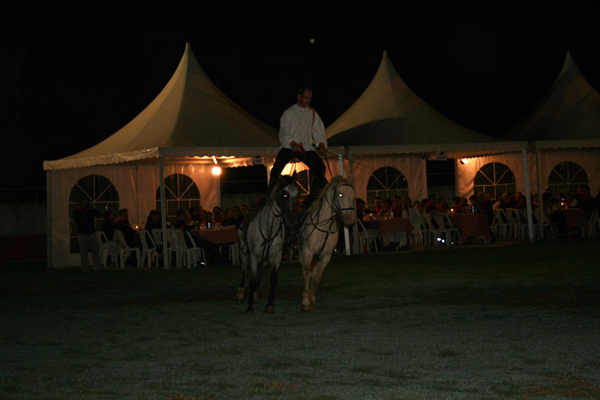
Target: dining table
575 218
218 234
391 229
471 225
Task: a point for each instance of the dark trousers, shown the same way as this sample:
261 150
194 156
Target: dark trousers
313 162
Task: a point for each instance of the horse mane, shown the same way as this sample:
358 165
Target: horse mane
319 200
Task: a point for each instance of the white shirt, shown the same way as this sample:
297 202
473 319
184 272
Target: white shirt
301 125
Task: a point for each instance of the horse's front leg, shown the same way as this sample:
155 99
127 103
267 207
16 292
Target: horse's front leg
239 298
307 263
254 283
316 276
270 307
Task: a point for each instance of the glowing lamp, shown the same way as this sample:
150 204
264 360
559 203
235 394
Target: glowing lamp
464 161
216 171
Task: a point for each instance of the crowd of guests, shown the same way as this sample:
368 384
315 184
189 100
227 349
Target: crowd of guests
481 203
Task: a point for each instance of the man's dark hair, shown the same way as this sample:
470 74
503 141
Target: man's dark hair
301 90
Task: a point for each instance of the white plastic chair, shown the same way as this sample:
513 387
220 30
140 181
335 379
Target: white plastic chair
367 236
168 249
448 234
106 248
124 251
500 224
196 254
518 226
594 223
149 248
429 232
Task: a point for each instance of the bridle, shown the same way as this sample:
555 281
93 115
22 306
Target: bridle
328 225
275 214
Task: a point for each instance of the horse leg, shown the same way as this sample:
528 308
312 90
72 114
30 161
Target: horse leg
270 307
239 298
254 282
316 278
308 264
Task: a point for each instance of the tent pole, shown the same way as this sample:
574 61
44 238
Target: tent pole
528 196
540 212
355 227
163 210
48 219
346 230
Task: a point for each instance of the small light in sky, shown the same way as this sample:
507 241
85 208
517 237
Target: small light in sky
312 40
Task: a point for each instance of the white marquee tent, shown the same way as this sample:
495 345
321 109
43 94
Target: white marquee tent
565 127
188 127
390 125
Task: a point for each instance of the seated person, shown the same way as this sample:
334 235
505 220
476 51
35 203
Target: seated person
183 220
109 224
153 221
124 226
386 210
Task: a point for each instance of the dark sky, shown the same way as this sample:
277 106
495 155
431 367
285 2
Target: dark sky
73 76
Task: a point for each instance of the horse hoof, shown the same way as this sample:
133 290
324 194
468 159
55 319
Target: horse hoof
270 309
306 308
239 301
249 311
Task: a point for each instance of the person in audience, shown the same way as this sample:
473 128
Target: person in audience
377 206
443 205
183 220
475 206
585 200
397 206
153 221
418 206
386 210
84 217
195 213
500 197
361 209
124 226
109 224
432 207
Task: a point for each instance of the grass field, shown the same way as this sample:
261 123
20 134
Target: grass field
505 322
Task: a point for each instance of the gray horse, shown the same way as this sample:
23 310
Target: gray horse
261 238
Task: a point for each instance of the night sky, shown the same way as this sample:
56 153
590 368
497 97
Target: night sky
72 77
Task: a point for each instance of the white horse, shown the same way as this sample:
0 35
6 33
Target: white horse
261 238
318 233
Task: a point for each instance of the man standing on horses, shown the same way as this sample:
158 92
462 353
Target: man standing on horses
301 133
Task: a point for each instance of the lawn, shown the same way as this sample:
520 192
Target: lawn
500 322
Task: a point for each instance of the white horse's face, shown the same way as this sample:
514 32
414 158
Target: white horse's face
344 203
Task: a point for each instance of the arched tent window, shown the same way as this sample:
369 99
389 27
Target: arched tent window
180 192
566 177
386 182
102 195
495 178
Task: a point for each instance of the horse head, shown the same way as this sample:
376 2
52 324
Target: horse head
285 194
343 200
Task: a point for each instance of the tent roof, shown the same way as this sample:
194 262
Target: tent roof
190 117
570 111
391 118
